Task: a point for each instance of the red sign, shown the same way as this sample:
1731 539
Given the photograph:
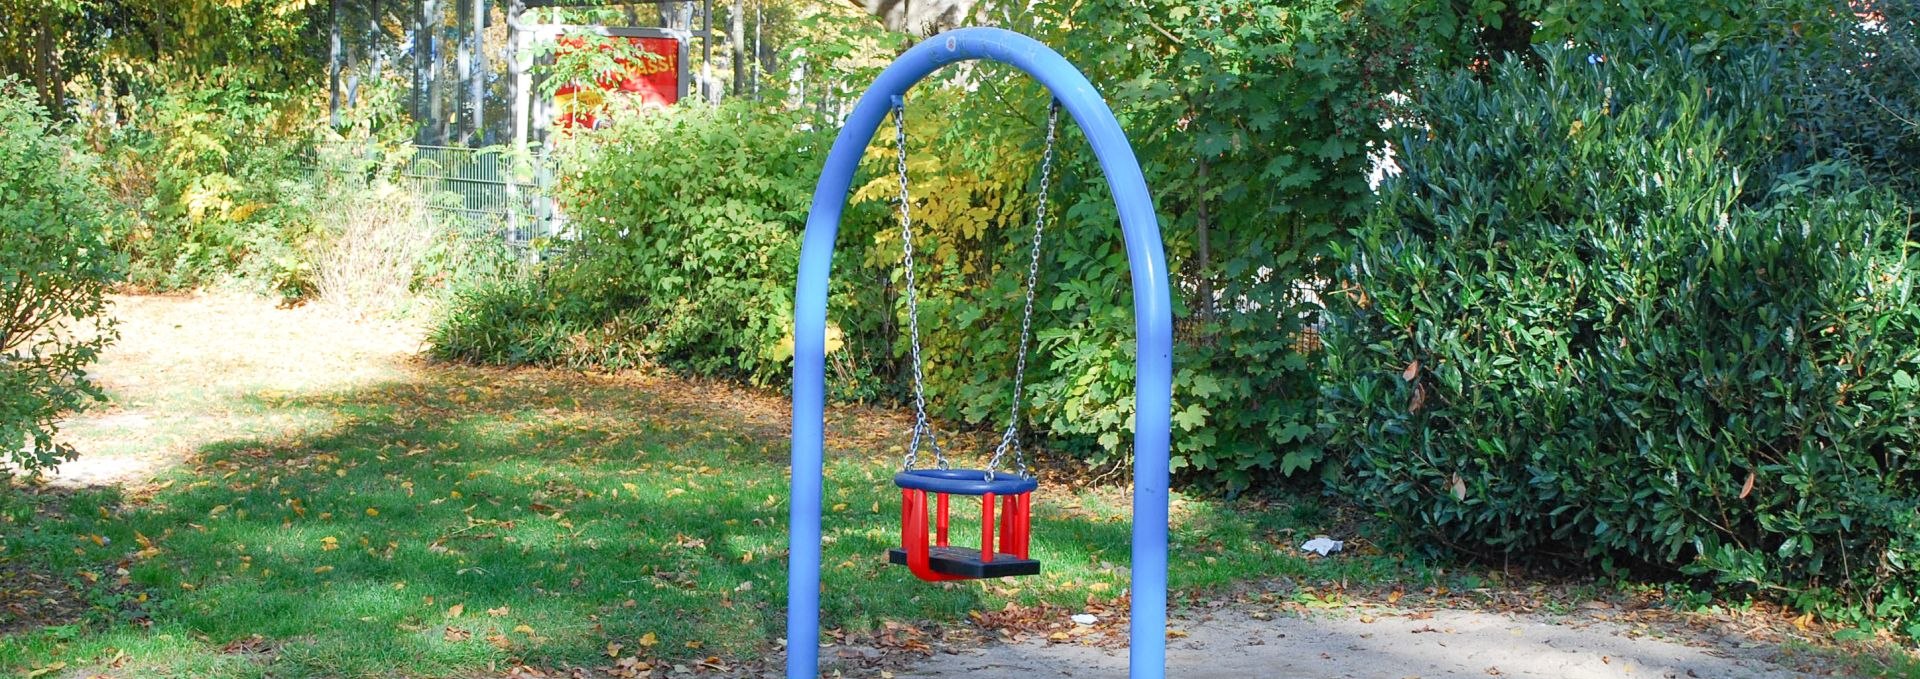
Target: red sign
655 79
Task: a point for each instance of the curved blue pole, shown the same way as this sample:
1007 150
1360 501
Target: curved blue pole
1153 322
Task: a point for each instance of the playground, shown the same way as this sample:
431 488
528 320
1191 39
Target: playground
539 503
535 339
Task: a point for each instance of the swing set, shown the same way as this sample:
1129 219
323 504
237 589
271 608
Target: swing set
1005 495
942 561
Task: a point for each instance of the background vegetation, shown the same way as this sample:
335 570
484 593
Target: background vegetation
55 270
1702 365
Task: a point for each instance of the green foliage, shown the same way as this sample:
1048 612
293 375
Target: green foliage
1858 94
1474 33
55 270
1605 315
516 319
687 224
91 58
1253 121
206 173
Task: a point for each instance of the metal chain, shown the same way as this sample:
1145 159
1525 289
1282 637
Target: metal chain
1010 439
922 426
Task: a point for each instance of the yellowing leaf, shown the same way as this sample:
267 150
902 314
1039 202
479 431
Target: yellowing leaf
649 639
323 569
523 629
329 543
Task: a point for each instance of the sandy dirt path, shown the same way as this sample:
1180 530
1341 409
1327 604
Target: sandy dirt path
1387 645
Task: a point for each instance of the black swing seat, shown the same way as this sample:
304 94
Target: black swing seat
965 562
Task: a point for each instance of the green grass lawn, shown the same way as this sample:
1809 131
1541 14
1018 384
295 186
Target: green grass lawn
463 520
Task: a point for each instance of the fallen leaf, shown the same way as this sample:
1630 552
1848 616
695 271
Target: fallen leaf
649 639
455 610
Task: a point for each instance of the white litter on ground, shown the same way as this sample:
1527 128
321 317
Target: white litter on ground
1322 545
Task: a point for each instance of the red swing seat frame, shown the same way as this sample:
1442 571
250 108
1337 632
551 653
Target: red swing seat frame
1004 535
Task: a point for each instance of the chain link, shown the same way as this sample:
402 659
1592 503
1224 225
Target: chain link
1010 439
922 425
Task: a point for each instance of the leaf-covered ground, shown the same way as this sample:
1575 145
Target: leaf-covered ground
282 493
279 493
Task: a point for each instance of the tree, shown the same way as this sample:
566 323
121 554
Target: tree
55 268
921 18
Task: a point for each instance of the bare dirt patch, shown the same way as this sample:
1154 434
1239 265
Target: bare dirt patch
1428 644
185 367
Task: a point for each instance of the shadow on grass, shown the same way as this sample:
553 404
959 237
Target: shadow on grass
469 519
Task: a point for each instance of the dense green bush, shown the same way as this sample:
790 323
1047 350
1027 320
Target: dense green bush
209 174
1606 314
55 270
1252 122
1860 94
686 240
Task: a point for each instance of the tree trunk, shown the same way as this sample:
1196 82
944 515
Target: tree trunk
518 66
437 92
333 63
422 45
920 17
736 39
1203 247
46 75
477 73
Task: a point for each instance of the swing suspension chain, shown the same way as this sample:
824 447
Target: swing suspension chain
1010 439
923 430
922 425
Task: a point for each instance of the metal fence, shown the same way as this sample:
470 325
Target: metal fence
481 188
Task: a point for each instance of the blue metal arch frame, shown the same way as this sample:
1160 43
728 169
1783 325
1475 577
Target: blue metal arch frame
1153 319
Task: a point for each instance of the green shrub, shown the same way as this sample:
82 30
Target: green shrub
1252 122
515 319
1859 95
686 241
217 179
1603 315
55 270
